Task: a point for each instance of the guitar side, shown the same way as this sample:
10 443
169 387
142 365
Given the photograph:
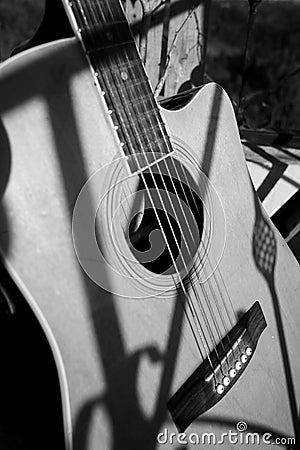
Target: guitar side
119 360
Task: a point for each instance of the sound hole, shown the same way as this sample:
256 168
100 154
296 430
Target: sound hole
164 237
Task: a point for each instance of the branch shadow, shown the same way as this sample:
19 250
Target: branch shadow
25 354
5 168
264 248
130 428
274 175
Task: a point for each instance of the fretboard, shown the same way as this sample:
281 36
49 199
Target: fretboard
104 33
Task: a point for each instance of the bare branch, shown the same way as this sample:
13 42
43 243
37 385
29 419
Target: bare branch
146 19
198 45
162 79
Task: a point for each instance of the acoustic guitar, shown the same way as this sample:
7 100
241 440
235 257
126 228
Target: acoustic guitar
169 300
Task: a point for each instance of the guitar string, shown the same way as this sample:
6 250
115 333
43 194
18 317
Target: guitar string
210 331
211 265
205 293
187 201
192 311
207 297
217 269
193 314
211 334
75 25
217 305
165 162
208 303
220 336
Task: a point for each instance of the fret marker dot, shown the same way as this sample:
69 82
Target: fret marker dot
124 75
109 36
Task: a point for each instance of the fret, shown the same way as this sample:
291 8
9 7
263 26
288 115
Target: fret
140 112
144 129
123 101
141 105
125 58
99 10
124 80
119 28
134 87
143 119
144 144
110 9
131 83
110 48
131 89
133 64
96 31
142 115
141 133
117 61
132 130
138 106
155 125
157 147
148 119
155 132
136 112
106 36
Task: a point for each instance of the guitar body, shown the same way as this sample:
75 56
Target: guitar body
120 358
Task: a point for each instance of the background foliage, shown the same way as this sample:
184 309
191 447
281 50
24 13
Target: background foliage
272 87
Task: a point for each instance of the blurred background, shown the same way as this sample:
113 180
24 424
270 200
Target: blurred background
209 44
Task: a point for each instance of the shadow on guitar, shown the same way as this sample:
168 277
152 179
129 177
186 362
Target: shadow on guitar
129 416
29 389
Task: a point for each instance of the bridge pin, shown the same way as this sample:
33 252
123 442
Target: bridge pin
238 365
232 373
244 358
248 351
226 381
220 389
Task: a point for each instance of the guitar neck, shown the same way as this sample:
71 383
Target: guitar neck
119 74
